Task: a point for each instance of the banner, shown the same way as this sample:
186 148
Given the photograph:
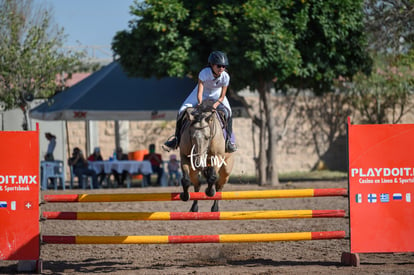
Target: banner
19 195
381 187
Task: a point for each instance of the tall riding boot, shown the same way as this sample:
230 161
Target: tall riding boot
175 142
230 147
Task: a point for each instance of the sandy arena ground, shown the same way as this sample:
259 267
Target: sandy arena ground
302 257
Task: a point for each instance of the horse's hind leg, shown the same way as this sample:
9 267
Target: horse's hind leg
215 206
224 173
219 186
194 207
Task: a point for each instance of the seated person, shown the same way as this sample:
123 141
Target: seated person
80 167
156 164
120 177
173 170
96 156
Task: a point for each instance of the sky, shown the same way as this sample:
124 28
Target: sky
90 22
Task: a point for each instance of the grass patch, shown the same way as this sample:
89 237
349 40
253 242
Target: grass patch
295 176
313 175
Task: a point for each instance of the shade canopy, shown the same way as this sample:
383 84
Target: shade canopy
109 94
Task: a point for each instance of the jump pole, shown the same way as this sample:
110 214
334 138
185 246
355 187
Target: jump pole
239 195
236 215
223 238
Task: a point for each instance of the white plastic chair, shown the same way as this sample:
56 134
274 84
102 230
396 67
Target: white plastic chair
52 170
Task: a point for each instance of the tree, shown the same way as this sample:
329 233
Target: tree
385 95
390 24
30 55
269 43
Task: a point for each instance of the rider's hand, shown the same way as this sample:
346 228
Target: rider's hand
216 104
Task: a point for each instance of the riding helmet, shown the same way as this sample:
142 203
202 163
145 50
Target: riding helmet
218 58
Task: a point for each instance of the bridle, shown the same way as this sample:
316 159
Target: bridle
210 123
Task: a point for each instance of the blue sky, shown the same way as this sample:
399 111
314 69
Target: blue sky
90 22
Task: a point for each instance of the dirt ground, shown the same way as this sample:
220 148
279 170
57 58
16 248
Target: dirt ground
301 257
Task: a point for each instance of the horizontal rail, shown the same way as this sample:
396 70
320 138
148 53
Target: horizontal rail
236 215
239 195
224 238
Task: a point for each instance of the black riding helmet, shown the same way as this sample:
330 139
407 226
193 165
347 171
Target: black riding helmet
218 58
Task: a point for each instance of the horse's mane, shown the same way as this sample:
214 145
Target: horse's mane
197 113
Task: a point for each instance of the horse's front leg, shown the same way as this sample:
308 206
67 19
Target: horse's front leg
211 177
215 206
185 182
196 182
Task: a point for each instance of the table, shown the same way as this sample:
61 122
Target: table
133 167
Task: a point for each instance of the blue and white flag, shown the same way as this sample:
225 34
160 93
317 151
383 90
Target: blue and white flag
397 196
384 197
408 197
3 204
372 198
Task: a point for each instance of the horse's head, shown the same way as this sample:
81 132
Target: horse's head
201 131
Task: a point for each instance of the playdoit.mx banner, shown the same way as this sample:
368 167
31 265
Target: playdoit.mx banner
19 195
381 187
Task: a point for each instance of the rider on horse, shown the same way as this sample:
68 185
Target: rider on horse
213 81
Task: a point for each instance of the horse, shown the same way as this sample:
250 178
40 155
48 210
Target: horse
202 151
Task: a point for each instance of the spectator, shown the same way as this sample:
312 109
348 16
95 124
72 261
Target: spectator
51 146
49 153
120 177
173 170
80 167
156 164
96 156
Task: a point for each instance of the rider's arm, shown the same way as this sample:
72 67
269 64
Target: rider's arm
221 98
200 91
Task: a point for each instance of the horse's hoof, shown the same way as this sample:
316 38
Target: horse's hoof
210 192
194 209
185 196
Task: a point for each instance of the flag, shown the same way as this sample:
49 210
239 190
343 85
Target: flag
13 205
408 197
358 198
397 196
3 204
384 197
372 198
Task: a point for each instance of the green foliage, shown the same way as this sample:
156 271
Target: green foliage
293 43
157 48
30 54
333 45
390 25
385 95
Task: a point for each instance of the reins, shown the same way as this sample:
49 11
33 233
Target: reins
211 123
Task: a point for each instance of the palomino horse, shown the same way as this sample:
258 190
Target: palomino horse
202 151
